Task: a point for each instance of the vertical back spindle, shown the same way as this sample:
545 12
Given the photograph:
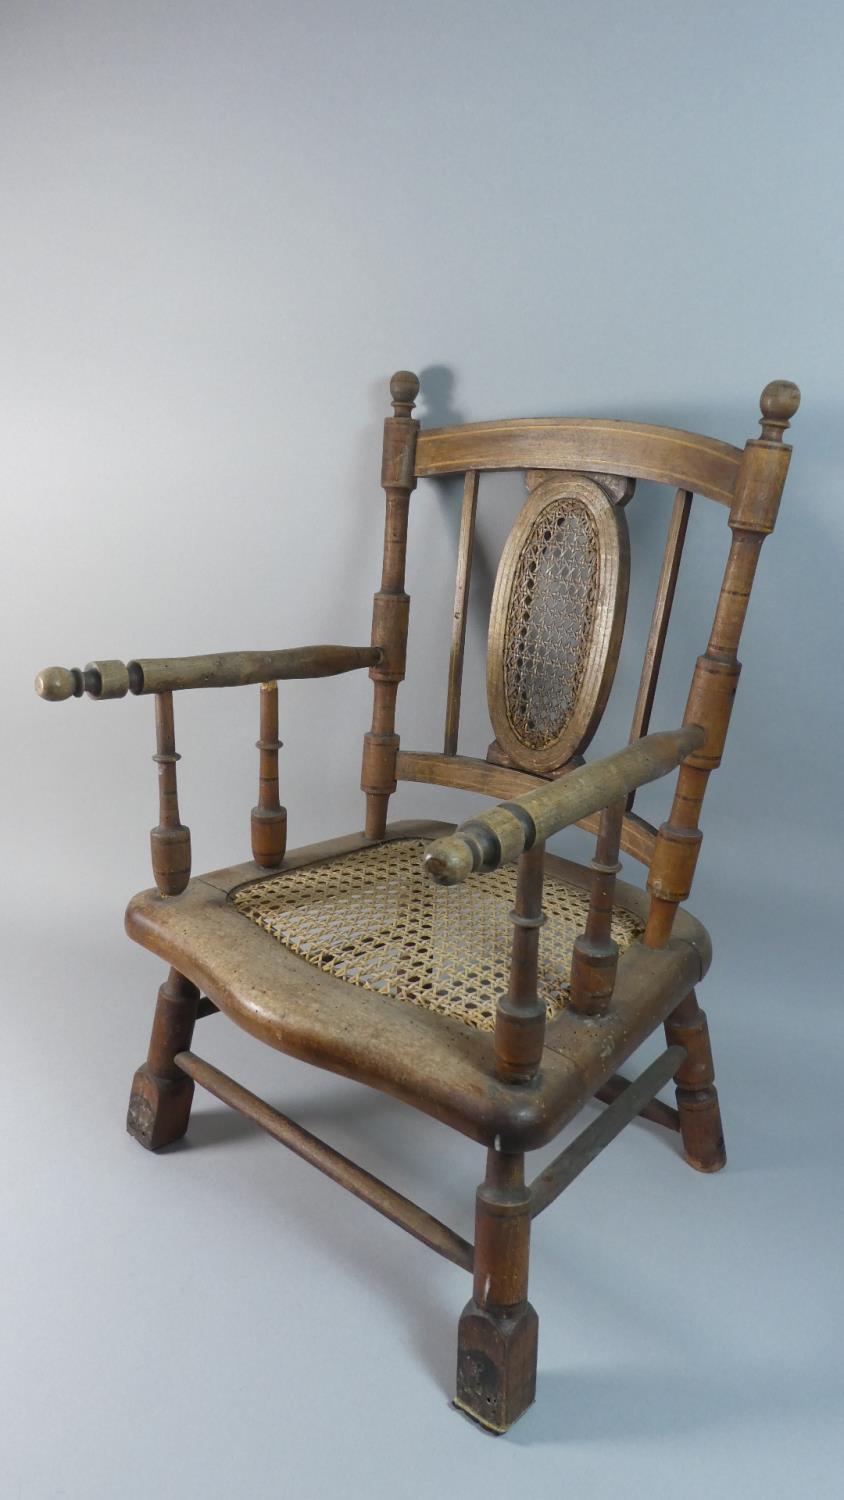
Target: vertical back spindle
465 550
269 818
170 841
663 603
391 605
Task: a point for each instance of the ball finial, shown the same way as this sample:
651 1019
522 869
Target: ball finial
449 860
778 403
404 388
57 683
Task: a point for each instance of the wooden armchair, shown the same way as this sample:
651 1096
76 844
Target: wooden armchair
467 972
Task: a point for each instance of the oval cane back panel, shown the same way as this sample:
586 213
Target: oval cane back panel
375 919
556 622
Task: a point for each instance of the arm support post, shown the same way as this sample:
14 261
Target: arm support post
269 818
520 1015
170 841
594 957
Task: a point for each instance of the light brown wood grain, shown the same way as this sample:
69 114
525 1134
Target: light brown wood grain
684 460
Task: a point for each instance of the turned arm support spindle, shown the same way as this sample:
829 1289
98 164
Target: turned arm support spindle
520 1014
162 676
269 818
170 841
594 958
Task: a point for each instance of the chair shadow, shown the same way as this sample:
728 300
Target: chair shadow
572 1406
216 1126
430 1319
597 1406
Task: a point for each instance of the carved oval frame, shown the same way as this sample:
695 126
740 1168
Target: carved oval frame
607 626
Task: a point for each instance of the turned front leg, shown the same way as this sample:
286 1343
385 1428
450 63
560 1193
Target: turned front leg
497 1336
159 1107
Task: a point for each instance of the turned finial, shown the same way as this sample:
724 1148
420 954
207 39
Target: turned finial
55 684
778 403
404 388
100 679
449 861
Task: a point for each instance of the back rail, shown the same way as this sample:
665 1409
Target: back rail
684 460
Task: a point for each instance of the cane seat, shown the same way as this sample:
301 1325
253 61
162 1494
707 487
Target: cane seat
323 962
373 918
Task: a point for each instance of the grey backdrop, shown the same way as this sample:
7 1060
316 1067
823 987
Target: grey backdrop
224 225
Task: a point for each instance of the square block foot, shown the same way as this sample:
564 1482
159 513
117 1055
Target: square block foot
496 1365
159 1109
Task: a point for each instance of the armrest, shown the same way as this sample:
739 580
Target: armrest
499 836
114 679
162 676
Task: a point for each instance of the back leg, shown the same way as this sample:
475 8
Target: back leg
159 1108
697 1097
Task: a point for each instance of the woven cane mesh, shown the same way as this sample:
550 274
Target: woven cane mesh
549 622
376 920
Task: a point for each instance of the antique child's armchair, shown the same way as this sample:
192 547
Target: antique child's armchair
467 972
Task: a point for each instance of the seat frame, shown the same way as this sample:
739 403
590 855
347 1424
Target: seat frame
430 1061
514 1089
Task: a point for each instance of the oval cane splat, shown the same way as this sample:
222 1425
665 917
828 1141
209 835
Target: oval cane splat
556 622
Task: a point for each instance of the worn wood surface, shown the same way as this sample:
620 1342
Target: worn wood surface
438 1064
472 775
499 836
684 460
170 674
498 1330
160 1101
